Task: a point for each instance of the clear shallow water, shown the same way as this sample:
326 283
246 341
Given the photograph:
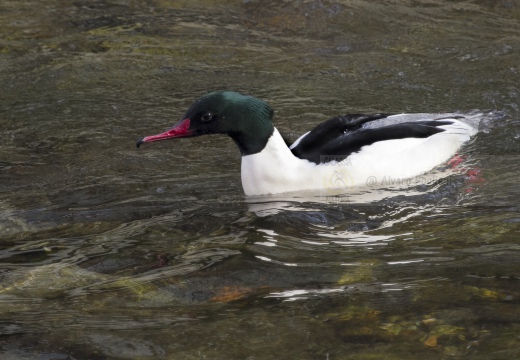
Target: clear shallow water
111 252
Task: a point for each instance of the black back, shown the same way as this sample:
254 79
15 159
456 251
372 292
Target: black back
337 138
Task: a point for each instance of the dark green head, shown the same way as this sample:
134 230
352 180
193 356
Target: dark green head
246 119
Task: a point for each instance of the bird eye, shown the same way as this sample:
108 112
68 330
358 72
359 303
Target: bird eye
206 117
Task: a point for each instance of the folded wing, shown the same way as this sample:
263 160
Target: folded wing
337 138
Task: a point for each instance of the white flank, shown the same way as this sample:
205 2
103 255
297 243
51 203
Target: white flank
276 170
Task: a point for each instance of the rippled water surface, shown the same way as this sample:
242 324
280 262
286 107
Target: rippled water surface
109 252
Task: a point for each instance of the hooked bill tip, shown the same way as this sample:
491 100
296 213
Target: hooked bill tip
139 142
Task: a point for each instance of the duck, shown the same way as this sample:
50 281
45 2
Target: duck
346 151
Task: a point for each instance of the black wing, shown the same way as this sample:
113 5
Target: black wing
337 138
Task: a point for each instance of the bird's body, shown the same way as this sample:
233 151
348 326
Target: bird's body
345 151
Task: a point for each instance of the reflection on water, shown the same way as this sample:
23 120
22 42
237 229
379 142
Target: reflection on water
110 252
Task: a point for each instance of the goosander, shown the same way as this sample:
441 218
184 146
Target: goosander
342 152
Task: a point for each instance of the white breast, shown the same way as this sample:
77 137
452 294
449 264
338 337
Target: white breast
276 170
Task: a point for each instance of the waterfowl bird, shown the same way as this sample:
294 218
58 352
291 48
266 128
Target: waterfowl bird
345 151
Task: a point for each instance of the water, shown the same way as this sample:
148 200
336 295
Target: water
109 252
